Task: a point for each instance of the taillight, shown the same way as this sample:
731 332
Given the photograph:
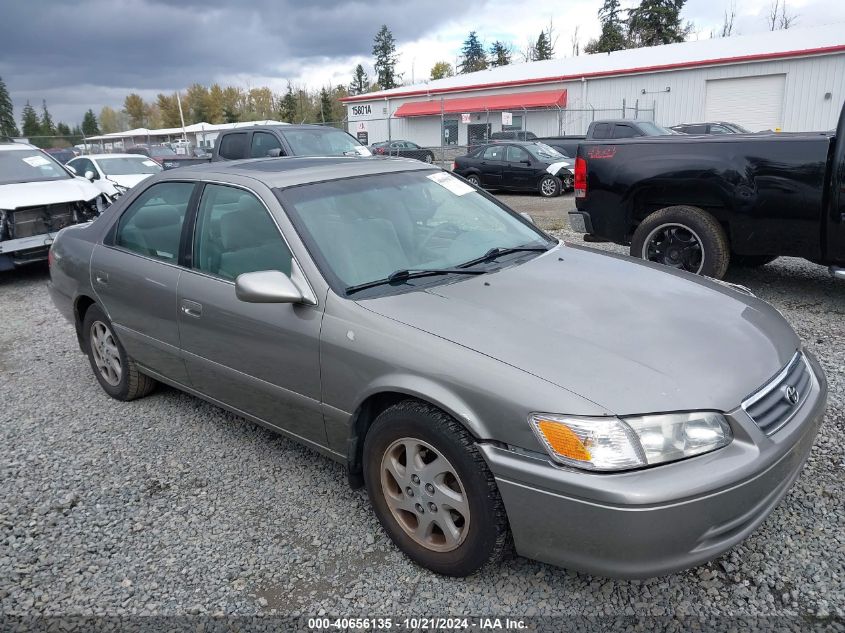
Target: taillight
580 178
50 258
453 165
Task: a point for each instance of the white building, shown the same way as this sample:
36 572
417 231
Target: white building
792 80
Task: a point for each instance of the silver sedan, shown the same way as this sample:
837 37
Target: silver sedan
488 384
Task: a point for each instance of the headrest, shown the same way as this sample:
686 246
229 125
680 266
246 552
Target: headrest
158 216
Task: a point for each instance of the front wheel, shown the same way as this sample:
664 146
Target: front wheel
429 158
683 237
432 491
549 186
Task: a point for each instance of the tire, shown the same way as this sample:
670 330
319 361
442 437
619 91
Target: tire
683 237
429 158
549 186
474 180
126 384
752 261
477 523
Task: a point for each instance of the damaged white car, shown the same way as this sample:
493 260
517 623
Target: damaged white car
38 197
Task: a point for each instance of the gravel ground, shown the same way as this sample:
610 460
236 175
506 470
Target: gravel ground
172 506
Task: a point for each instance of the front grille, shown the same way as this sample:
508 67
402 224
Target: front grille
773 405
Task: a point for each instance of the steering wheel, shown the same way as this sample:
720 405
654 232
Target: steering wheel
441 231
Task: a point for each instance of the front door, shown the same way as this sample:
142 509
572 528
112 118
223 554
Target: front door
135 274
518 172
260 358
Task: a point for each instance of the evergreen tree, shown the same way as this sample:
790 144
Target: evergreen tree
656 22
287 106
473 55
543 49
30 125
612 36
441 70
325 105
360 82
384 51
90 127
47 127
62 129
500 54
7 113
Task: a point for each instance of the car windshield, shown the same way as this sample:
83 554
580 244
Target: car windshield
125 165
29 165
543 151
364 229
323 142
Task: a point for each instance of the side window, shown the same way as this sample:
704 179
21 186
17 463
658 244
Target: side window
152 225
516 154
494 152
624 131
233 146
235 234
81 165
719 129
263 142
602 130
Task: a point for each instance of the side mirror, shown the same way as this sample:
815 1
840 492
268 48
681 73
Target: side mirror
267 286
90 175
274 153
527 216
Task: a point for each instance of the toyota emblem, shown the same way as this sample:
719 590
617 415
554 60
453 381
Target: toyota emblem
791 395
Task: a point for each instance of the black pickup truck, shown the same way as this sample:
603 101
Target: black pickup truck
260 141
700 203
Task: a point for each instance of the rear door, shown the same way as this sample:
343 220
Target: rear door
519 171
491 165
135 273
260 358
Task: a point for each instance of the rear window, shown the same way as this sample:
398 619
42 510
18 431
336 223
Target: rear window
233 146
602 130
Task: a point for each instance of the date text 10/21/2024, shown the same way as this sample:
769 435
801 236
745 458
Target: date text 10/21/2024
417 623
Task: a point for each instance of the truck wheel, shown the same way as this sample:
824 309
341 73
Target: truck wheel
549 186
687 238
474 180
751 261
432 491
116 372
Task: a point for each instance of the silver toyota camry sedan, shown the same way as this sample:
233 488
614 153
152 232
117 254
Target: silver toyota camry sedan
489 385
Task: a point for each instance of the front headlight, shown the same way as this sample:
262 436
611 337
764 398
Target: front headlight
608 444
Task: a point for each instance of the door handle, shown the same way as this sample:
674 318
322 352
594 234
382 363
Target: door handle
101 278
191 308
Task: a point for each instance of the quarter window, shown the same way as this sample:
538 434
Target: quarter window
262 143
235 234
152 225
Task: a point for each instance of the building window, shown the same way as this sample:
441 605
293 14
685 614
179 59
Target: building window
450 132
515 125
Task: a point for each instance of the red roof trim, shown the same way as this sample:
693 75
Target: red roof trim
605 73
495 102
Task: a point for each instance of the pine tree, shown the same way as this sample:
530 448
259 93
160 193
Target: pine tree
30 125
656 22
473 55
325 105
7 113
384 51
360 82
89 124
287 106
543 49
500 54
47 127
612 36
441 70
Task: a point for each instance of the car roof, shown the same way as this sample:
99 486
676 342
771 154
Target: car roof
99 156
15 146
623 121
290 171
287 126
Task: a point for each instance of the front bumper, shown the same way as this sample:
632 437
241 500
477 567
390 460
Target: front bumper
659 520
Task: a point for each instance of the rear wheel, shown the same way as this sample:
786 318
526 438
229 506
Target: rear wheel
549 186
474 180
429 158
432 491
687 238
116 372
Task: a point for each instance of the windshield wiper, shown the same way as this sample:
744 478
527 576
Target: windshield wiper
405 274
498 251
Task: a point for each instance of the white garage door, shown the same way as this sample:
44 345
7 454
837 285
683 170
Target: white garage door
754 102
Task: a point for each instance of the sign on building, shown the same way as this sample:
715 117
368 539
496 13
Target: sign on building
465 117
507 118
361 133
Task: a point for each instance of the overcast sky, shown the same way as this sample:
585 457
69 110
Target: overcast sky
91 53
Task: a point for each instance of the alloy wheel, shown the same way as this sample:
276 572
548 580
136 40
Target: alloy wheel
548 187
105 353
425 495
473 180
674 245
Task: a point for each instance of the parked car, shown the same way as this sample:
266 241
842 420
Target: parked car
405 149
625 128
61 154
701 203
566 145
261 141
38 197
513 135
517 166
714 127
459 361
114 174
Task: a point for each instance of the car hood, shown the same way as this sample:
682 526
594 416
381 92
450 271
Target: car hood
129 180
630 336
30 194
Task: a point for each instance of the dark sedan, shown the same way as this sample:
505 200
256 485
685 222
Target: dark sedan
714 127
517 166
405 149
